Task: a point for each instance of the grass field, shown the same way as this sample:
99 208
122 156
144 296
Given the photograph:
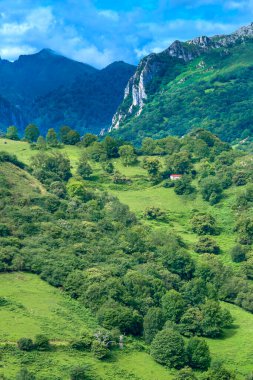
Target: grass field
35 307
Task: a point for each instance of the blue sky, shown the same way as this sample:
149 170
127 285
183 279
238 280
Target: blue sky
99 32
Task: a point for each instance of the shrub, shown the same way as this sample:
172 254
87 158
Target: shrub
185 374
168 349
41 343
198 354
154 213
207 245
24 374
81 373
25 344
238 253
204 224
99 349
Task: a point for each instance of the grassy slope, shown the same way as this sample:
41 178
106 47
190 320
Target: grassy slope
36 307
39 308
235 349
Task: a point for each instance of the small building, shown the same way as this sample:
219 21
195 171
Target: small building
175 177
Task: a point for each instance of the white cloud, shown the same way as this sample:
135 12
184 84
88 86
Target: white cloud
111 15
11 53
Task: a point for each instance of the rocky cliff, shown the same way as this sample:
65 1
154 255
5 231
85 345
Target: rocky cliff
136 92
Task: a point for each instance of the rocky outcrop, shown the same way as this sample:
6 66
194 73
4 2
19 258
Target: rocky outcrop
136 91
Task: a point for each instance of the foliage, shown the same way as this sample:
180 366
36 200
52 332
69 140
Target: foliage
127 155
153 322
51 138
12 133
204 224
25 344
52 167
24 374
84 169
198 354
207 245
32 133
168 349
41 343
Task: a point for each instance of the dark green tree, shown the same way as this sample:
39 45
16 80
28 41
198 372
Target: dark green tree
153 322
32 133
51 138
25 344
173 305
152 165
127 155
198 354
12 133
41 343
168 349
207 245
84 169
88 139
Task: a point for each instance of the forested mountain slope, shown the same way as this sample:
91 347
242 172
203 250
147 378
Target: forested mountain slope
205 82
53 90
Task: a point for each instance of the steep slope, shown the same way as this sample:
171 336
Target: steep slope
191 84
52 90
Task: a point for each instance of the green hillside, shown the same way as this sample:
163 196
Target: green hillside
213 91
75 260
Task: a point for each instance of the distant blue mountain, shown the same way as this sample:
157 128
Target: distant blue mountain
52 90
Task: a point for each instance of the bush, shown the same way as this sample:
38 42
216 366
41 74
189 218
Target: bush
207 245
211 190
25 344
99 350
41 343
24 374
204 224
154 213
168 349
238 253
185 374
198 354
81 373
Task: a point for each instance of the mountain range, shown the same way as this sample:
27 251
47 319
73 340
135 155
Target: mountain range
51 90
205 82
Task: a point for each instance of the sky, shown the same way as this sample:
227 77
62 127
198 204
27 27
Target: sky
99 32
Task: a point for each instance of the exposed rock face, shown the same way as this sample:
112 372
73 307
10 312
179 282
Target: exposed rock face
152 65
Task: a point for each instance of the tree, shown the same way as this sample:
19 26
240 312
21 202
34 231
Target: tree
72 138
12 133
24 374
108 167
183 186
179 262
207 245
219 372
84 169
214 319
88 139
41 143
198 354
211 190
153 322
32 133
238 253
51 138
244 227
52 167
168 349
185 374
42 343
173 305
127 155
99 349
154 213
112 314
204 224
152 165
179 163
111 147
25 344
63 132
190 323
